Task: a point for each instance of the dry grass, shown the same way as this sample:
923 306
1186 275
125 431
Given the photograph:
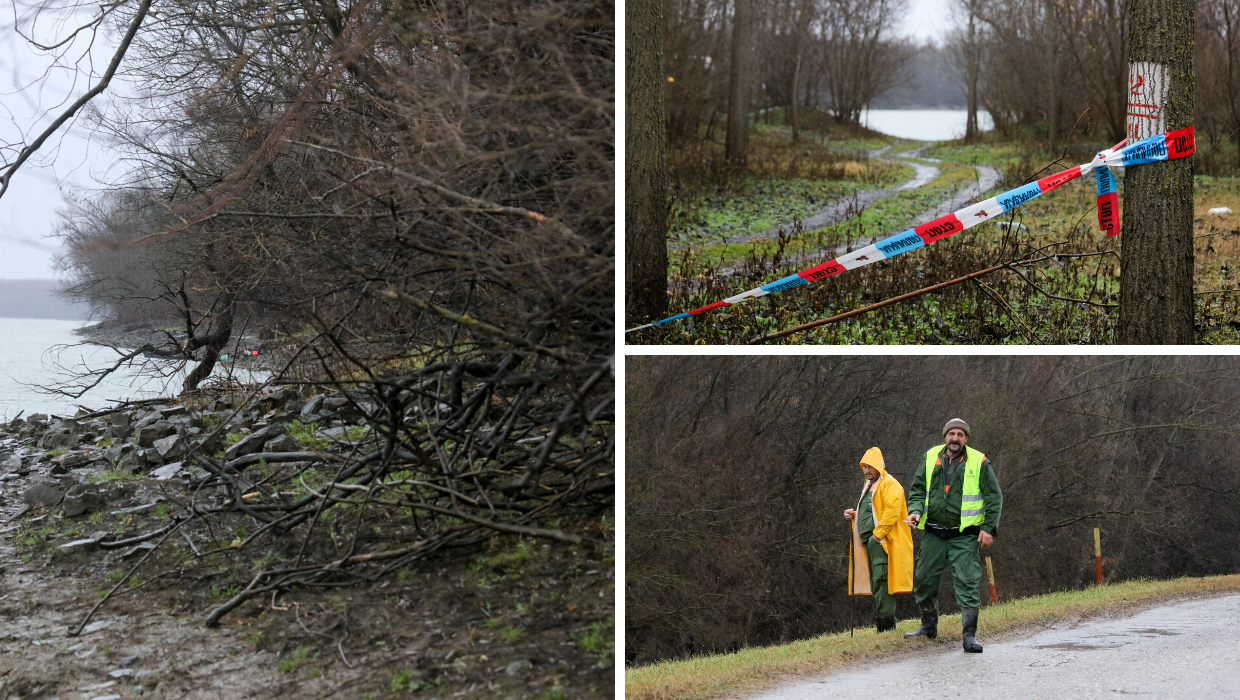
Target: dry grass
752 669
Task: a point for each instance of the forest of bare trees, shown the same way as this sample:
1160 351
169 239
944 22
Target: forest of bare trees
361 169
833 55
1043 70
738 470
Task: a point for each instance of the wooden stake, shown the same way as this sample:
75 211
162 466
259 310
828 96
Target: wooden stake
1098 556
990 572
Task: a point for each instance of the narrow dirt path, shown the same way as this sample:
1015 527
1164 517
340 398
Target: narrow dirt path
848 207
1172 651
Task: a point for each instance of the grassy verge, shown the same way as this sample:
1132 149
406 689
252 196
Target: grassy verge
751 669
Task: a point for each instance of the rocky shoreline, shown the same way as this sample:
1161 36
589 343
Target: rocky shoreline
87 501
77 466
125 336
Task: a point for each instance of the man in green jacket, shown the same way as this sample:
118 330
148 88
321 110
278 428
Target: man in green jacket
955 500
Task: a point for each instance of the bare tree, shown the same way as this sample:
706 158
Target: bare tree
857 61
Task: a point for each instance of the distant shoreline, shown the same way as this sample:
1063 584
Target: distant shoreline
38 299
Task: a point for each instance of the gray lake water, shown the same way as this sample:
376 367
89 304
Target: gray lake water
923 124
37 354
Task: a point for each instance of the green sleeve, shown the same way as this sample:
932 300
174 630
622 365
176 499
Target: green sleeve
992 496
917 491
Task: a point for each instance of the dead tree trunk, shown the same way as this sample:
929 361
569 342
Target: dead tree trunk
645 169
1156 284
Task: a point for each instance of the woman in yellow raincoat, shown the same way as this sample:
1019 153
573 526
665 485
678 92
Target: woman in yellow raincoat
880 561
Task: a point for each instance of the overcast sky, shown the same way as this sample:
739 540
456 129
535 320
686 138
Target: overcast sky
70 164
76 165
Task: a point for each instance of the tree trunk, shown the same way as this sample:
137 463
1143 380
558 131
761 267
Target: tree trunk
645 166
792 108
1156 284
972 69
737 145
1052 84
214 342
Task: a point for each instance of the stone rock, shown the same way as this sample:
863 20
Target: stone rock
138 550
12 464
170 447
58 470
37 418
147 435
518 667
254 441
59 435
114 453
284 443
169 411
335 403
145 420
82 499
84 545
44 492
131 462
73 460
210 443
167 471
312 406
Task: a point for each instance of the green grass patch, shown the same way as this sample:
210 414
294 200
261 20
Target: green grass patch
307 435
113 475
295 660
753 669
599 638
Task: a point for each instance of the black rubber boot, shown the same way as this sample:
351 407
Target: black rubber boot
886 624
968 621
929 623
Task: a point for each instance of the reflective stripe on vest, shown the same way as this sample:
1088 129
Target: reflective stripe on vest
972 507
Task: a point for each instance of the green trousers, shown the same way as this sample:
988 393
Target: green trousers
935 553
884 602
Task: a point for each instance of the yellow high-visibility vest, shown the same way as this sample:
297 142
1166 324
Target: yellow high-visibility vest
972 507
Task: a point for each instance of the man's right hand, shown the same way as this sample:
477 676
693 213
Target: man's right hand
913 519
849 514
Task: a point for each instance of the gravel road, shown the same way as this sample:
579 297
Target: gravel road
1184 650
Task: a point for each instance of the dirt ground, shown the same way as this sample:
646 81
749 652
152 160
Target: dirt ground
514 618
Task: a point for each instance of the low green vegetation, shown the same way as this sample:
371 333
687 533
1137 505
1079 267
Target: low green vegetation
1062 289
751 669
295 660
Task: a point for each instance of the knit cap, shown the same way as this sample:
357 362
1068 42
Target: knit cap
957 423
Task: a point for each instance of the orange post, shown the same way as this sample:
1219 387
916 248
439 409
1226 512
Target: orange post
990 573
1098 556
